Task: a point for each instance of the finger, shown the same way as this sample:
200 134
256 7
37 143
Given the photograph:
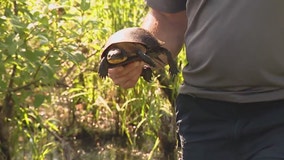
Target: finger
128 82
126 76
115 72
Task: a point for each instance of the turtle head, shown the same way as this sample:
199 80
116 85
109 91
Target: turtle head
116 56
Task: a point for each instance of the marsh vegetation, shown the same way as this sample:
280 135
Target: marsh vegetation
54 106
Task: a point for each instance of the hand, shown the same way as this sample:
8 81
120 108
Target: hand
126 76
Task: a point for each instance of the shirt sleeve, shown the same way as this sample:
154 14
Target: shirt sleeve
169 6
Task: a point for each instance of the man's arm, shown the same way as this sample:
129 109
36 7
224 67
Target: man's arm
168 27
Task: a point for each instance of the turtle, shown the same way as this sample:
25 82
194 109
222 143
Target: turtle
135 44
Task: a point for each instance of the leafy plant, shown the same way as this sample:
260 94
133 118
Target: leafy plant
51 98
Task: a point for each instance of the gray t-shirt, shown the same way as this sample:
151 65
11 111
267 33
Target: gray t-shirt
235 48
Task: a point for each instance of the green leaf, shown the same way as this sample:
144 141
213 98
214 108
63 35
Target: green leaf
18 24
49 72
85 5
39 99
12 49
3 20
79 57
43 39
75 58
44 20
8 12
3 85
32 56
2 69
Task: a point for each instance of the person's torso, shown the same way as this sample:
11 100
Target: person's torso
235 50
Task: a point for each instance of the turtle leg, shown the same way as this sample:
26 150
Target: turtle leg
173 66
146 58
147 73
103 68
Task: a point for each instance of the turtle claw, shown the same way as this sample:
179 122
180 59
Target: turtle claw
103 68
147 73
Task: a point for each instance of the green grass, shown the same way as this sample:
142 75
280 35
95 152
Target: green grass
50 51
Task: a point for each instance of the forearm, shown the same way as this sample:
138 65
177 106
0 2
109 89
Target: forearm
169 28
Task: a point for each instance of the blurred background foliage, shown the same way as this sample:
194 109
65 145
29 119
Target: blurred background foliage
53 105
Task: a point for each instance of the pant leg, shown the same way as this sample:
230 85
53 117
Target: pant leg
212 130
262 135
206 129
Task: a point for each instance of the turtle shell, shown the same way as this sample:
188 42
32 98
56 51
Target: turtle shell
137 44
132 35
